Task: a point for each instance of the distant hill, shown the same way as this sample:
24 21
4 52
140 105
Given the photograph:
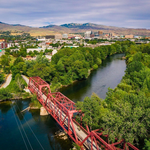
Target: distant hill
70 28
17 28
88 26
78 27
49 26
18 25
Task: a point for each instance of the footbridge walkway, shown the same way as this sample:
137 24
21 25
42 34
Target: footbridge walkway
63 110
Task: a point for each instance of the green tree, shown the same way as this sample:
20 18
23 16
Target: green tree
147 145
42 60
40 70
1 78
19 59
5 60
134 66
4 94
127 119
20 82
91 108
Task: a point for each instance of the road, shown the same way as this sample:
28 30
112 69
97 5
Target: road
7 82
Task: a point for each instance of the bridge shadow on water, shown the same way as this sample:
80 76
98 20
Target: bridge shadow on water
58 141
51 129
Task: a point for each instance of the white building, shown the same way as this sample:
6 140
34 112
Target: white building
44 47
87 34
137 37
65 36
40 39
58 37
77 38
48 57
8 45
34 49
72 46
54 51
16 44
13 50
50 47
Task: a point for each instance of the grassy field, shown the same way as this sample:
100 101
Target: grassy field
36 32
11 63
41 32
12 60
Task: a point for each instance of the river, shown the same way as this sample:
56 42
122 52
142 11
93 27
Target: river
29 130
109 74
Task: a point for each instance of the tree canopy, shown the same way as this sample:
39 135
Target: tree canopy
125 112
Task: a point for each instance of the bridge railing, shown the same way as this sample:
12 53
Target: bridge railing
66 102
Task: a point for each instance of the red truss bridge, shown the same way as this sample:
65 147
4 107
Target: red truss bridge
62 109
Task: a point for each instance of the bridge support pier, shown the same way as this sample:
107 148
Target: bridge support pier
43 111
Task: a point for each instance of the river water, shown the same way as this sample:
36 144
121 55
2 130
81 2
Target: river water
29 130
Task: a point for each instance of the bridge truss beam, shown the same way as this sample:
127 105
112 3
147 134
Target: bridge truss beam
62 109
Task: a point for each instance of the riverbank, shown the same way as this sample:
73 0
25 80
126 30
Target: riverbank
16 97
123 58
63 86
58 86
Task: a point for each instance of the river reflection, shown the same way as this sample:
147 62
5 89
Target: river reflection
28 130
5 107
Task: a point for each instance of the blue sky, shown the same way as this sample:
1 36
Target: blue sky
37 13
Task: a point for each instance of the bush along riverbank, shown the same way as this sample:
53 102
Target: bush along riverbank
34 104
125 112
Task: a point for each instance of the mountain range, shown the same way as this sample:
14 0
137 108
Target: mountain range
70 28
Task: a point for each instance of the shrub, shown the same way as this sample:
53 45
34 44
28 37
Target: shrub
4 94
95 66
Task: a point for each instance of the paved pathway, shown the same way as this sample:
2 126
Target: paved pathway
25 78
7 82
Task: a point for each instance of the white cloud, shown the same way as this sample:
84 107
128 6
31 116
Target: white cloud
108 12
